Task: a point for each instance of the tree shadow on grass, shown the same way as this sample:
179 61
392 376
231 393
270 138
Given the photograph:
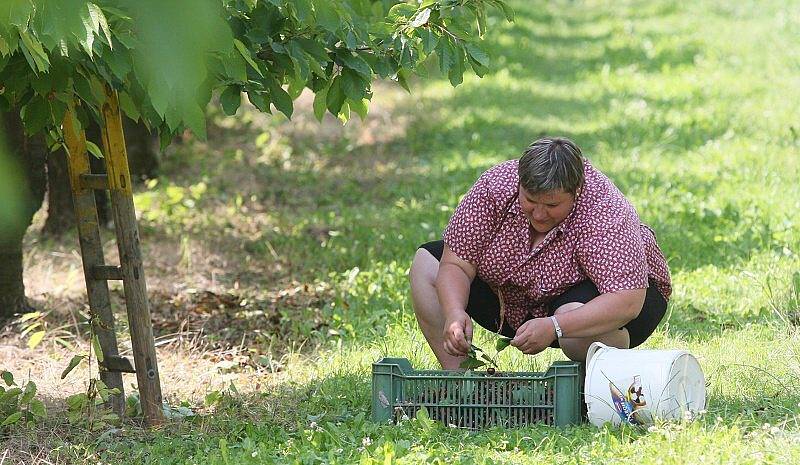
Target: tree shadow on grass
558 45
332 415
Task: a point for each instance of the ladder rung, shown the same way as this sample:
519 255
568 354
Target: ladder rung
120 364
95 181
107 272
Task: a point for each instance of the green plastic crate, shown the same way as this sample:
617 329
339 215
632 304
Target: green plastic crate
477 400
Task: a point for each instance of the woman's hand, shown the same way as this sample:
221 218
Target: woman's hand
534 336
457 334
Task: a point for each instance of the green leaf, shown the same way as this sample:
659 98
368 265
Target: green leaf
355 62
480 13
429 39
319 103
304 11
353 85
260 100
351 41
471 363
327 16
336 96
8 378
487 359
127 105
11 419
477 54
10 394
94 150
280 98
98 351
299 60
502 343
403 80
37 408
478 68
447 54
5 48
35 339
77 401
296 87
90 27
33 51
246 55
456 73
314 48
195 118
235 66
212 398
401 12
72 364
361 107
36 114
344 113
231 99
100 21
507 11
16 12
28 393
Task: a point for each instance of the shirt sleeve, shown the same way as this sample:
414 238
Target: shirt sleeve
614 258
471 227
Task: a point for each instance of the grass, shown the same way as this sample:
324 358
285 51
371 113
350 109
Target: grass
279 232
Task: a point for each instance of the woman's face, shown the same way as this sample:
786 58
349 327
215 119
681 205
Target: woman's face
546 210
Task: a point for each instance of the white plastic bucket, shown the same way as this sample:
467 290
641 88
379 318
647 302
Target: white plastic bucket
635 386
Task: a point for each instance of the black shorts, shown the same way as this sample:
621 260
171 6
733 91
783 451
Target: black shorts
484 306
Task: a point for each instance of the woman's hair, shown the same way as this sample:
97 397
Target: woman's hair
551 163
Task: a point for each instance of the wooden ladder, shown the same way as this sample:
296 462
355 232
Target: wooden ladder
130 270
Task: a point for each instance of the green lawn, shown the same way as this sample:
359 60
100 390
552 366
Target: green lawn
689 107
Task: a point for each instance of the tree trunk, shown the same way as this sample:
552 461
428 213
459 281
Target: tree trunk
143 149
60 212
142 157
29 155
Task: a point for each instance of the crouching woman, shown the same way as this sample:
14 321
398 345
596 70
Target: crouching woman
544 250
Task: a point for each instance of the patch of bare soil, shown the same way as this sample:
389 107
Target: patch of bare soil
221 313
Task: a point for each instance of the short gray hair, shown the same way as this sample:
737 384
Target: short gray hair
551 163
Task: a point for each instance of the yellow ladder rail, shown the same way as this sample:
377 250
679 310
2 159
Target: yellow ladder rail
130 270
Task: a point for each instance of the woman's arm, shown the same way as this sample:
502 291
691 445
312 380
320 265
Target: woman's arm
452 287
602 314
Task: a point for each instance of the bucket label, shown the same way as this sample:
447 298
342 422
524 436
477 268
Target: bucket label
629 405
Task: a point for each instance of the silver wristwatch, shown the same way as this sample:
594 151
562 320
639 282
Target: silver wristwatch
558 328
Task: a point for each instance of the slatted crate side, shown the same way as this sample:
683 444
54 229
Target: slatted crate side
477 400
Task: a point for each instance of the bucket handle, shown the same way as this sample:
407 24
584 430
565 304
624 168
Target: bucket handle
593 349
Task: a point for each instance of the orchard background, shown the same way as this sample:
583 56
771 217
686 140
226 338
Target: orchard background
277 249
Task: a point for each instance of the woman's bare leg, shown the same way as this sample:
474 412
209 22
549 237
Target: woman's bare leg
426 306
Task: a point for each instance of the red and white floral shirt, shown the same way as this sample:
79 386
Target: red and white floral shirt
601 239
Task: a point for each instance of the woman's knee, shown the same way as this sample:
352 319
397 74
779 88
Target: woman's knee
575 351
568 307
424 269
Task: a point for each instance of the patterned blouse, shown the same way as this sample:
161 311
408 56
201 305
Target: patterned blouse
601 239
